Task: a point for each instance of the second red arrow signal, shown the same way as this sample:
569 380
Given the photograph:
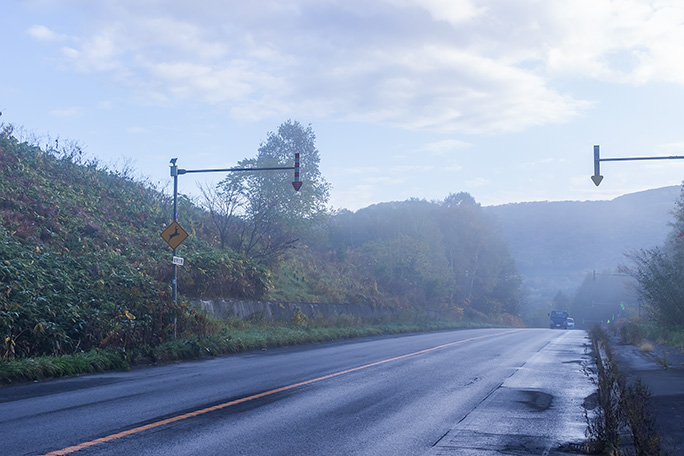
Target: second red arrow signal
297 184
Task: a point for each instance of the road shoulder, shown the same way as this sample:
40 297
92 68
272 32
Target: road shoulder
662 372
538 410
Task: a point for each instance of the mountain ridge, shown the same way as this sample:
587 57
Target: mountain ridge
577 237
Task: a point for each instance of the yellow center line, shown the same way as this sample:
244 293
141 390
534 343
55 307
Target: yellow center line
109 438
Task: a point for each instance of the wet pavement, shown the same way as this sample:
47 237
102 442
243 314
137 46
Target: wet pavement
536 411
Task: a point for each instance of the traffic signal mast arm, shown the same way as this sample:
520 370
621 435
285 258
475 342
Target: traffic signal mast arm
229 170
597 177
175 172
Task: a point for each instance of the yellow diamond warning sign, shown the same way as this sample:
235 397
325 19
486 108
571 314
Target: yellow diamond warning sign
174 235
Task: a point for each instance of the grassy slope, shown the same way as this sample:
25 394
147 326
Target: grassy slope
82 263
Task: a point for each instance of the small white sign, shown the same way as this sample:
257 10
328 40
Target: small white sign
178 260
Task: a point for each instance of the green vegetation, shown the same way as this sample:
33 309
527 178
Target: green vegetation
258 214
234 337
641 333
81 262
60 366
658 272
85 276
445 257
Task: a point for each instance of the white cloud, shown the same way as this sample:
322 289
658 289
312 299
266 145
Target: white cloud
355 197
477 182
101 52
385 180
70 53
72 111
237 80
628 41
136 130
454 66
452 11
361 170
457 91
412 169
444 147
42 33
677 147
542 163
454 167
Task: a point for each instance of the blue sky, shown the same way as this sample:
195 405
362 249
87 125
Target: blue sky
408 98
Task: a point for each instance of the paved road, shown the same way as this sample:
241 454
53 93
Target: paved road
412 394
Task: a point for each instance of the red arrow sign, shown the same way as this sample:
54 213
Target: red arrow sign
297 184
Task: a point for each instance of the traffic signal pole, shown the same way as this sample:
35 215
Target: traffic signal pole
175 172
597 177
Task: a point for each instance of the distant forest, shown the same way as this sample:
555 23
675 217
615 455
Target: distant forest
564 249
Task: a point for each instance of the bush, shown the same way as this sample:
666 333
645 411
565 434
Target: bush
631 332
59 366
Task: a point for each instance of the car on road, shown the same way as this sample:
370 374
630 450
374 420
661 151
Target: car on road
558 319
571 323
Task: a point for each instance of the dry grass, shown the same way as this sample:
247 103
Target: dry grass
646 346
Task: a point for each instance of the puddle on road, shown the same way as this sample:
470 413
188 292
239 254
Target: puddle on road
537 401
590 402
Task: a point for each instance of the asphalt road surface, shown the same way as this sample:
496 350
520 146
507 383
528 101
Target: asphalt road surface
489 391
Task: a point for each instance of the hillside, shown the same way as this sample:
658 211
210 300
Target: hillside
555 244
83 264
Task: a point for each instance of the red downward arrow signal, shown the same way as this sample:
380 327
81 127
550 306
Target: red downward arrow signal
297 185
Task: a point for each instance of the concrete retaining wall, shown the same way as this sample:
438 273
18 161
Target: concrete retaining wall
284 311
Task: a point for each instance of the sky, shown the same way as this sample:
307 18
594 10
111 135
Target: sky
503 99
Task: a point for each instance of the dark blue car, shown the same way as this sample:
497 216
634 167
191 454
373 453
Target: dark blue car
558 319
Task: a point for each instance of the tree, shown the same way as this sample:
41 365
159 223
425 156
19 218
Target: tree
410 270
561 301
659 272
445 256
484 273
267 215
603 296
460 199
224 203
